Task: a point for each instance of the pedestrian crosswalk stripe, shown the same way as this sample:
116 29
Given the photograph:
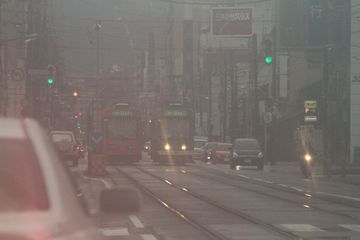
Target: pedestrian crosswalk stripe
136 221
301 227
352 227
148 237
111 232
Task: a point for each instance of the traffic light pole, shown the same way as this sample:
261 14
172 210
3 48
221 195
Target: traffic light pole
255 112
275 82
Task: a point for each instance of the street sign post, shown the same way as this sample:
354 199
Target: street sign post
97 139
17 74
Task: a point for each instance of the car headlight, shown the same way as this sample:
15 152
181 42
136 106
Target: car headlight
260 155
235 154
307 157
183 147
167 147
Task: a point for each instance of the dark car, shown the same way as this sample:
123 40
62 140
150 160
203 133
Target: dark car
66 144
246 152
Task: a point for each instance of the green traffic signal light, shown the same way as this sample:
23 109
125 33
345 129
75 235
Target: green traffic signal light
268 59
50 81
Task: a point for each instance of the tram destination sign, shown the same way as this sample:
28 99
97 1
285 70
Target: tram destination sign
117 113
175 113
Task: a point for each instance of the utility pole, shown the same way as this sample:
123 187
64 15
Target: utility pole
253 89
234 99
225 84
97 29
275 82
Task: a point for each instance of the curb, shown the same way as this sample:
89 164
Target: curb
339 199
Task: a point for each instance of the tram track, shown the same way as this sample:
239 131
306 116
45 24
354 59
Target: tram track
193 222
284 188
305 195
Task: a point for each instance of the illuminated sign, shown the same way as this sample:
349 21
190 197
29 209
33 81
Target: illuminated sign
118 113
174 113
310 104
310 111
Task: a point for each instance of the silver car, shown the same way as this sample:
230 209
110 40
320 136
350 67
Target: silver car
38 199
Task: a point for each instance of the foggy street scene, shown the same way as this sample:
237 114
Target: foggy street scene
180 119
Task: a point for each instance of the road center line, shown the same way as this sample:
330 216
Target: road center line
136 221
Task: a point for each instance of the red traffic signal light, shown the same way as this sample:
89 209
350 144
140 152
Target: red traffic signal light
75 93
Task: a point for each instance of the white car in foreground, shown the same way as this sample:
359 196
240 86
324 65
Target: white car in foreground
38 200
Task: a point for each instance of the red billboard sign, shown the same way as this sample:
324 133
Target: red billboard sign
231 21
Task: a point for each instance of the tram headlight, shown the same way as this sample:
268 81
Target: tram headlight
167 147
308 157
183 147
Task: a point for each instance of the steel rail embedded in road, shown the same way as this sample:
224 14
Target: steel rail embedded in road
286 189
236 212
204 229
223 181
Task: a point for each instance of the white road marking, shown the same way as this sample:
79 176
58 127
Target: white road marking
105 182
242 176
136 221
148 237
262 180
111 232
301 227
297 189
283 185
352 227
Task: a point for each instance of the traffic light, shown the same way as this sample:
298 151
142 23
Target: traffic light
51 75
268 52
75 93
78 125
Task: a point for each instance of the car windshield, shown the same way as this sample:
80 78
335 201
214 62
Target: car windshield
199 144
120 129
22 186
210 145
61 137
246 145
223 147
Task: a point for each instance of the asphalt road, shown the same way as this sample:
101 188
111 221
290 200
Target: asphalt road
202 201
